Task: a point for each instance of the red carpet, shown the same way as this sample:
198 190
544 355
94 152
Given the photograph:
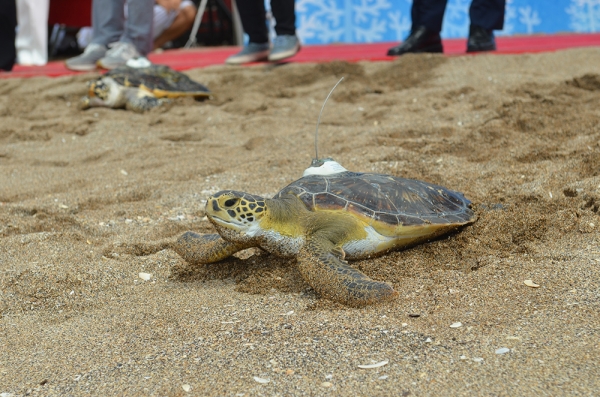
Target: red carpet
201 57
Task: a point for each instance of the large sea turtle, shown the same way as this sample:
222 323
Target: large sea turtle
325 217
140 88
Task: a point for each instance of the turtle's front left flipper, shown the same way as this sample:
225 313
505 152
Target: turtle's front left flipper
204 248
140 101
322 268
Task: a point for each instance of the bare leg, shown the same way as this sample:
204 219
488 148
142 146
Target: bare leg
183 22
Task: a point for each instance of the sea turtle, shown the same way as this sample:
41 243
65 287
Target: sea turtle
325 217
140 88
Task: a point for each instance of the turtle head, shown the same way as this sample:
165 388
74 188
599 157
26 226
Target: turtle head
236 215
104 91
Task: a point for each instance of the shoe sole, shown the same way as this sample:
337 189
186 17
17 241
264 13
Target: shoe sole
257 57
109 66
436 48
481 49
283 55
81 68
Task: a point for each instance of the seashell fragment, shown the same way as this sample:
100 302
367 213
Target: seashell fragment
531 284
502 350
456 325
186 388
261 380
376 365
145 276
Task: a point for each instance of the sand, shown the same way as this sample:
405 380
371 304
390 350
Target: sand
91 199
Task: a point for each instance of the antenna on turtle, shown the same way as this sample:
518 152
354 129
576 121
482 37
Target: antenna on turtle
326 166
319 120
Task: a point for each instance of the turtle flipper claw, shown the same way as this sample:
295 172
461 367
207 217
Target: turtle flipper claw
204 248
333 278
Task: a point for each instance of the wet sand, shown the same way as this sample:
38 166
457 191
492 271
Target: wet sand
91 199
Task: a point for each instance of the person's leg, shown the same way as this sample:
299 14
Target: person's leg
253 17
8 23
108 21
181 24
488 14
32 35
138 25
285 17
286 43
427 16
254 21
428 13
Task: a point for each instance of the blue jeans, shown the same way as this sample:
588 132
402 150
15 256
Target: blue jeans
110 25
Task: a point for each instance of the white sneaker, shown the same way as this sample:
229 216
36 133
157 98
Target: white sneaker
284 46
252 52
118 55
87 61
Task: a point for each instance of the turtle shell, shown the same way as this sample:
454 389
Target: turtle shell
160 80
388 203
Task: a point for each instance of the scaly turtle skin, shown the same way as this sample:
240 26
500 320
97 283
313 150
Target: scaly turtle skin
323 220
140 89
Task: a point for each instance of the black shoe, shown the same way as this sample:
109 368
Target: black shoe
480 39
420 40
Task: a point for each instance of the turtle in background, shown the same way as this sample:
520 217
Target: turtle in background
140 88
326 217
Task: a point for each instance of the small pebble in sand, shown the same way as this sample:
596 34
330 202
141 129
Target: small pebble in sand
124 172
463 357
289 372
326 384
478 359
186 388
531 284
376 365
428 340
261 380
145 276
502 350
414 315
383 377
456 325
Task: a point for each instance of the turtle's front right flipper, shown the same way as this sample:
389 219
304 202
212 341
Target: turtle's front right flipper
322 268
204 248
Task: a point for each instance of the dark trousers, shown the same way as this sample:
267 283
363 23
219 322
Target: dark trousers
252 14
488 14
8 23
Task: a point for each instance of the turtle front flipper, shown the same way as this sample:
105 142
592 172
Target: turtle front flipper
199 249
140 101
332 277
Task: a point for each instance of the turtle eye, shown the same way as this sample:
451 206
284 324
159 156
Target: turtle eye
231 202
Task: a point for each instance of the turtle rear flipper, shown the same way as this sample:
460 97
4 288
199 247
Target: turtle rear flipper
141 101
199 249
332 277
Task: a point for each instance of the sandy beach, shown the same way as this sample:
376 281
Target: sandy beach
91 199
